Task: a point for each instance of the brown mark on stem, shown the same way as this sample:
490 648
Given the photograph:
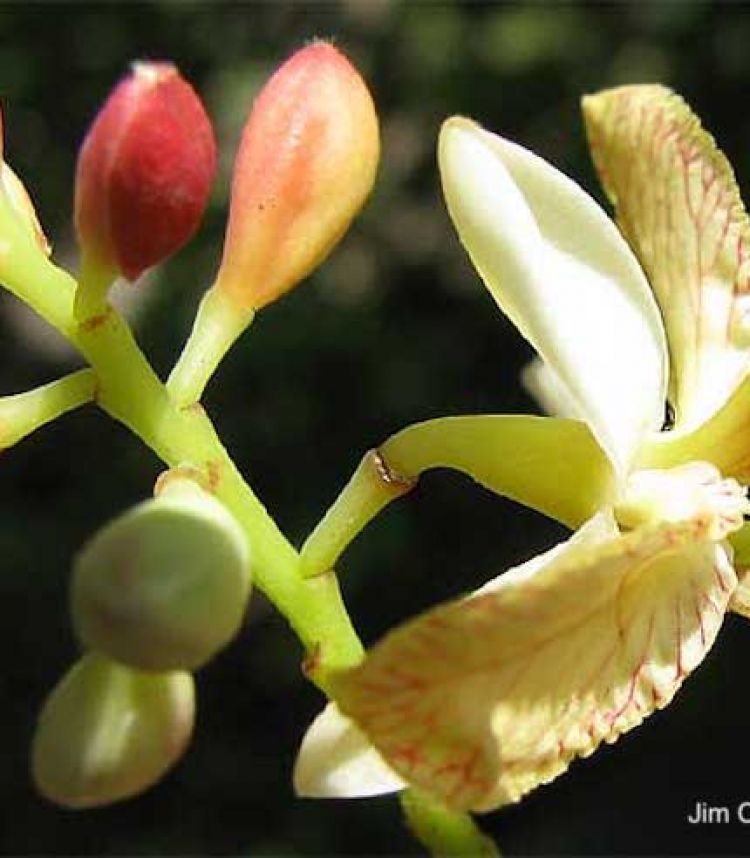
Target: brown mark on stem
397 483
194 408
312 660
214 474
97 390
95 321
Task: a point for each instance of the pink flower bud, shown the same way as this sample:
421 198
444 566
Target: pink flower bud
144 171
306 163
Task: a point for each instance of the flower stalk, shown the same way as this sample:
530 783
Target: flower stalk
23 413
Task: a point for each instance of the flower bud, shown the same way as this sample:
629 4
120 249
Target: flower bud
144 172
164 586
306 163
107 732
19 201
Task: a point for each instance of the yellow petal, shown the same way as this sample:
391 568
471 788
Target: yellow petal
558 267
335 760
678 205
481 701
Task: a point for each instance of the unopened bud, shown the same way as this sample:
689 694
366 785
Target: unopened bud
164 586
305 165
107 732
144 172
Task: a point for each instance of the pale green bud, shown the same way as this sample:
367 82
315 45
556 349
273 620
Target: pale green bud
165 585
108 732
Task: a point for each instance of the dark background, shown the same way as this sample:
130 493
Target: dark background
394 328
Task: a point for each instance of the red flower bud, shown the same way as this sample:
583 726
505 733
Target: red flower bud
144 171
306 163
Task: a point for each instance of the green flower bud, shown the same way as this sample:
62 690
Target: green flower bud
107 732
165 585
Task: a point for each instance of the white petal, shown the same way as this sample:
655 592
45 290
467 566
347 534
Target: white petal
545 386
337 761
560 270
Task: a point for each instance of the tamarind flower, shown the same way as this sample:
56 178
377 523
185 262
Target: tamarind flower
481 700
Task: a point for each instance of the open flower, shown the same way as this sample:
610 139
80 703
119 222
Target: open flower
481 700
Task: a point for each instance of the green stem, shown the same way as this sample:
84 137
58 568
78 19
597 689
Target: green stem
94 280
372 486
443 831
218 323
22 413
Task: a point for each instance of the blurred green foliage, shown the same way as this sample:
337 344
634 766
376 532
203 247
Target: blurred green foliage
394 328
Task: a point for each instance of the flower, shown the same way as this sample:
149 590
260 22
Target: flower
481 700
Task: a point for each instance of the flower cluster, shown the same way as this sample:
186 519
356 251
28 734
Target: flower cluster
474 703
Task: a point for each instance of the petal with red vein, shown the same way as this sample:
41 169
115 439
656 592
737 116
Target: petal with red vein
678 205
479 702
